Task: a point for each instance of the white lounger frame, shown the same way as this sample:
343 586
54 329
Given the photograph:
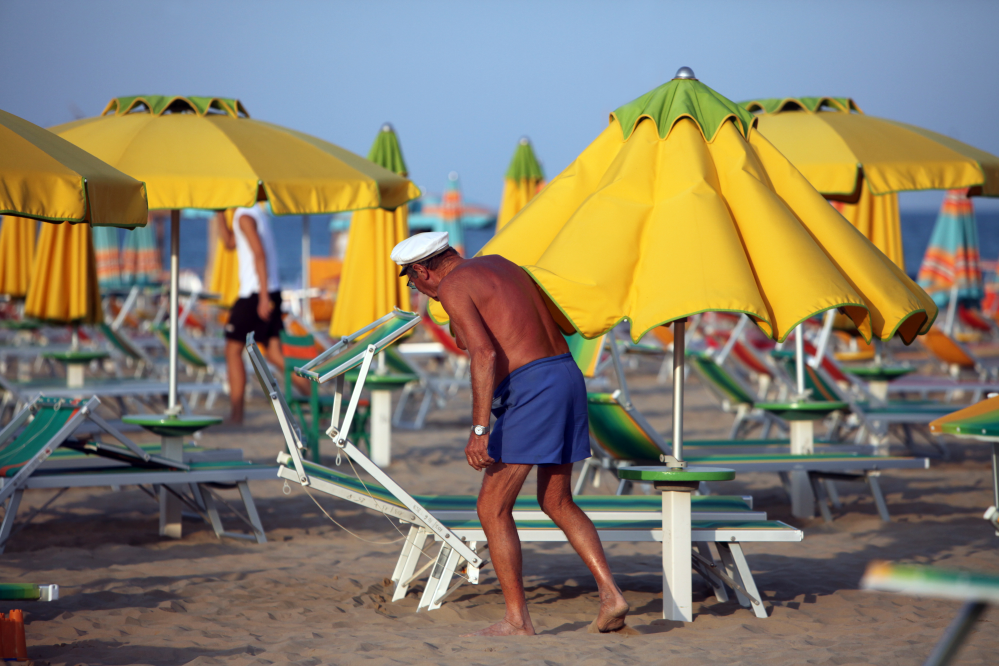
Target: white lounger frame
458 545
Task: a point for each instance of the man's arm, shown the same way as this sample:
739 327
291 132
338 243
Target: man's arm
472 331
249 228
225 232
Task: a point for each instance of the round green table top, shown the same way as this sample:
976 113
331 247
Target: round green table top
77 355
810 410
21 324
172 425
878 373
664 473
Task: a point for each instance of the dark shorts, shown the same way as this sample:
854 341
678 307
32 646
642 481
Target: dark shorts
540 411
243 319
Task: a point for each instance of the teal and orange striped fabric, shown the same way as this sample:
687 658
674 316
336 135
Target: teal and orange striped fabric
107 256
952 255
141 262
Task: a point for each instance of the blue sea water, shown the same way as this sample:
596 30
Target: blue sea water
916 230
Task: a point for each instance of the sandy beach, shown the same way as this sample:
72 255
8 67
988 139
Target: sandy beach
315 594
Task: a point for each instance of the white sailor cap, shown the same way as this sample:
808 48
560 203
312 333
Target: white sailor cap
419 247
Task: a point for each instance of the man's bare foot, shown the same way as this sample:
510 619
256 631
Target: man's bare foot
504 628
613 610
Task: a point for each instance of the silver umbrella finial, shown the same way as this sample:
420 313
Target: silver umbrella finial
387 127
685 73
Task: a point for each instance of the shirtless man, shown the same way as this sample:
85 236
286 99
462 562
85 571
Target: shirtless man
522 370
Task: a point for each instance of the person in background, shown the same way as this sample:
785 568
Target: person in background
258 308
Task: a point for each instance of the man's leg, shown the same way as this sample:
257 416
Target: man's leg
555 499
237 379
500 486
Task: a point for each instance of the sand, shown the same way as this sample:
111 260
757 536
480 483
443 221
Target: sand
314 594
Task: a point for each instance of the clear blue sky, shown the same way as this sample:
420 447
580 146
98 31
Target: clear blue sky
462 81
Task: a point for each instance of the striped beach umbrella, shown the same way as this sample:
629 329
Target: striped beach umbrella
17 249
370 285
524 178
140 258
107 257
951 260
451 212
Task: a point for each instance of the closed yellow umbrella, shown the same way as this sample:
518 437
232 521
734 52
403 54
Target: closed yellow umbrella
877 217
223 277
524 178
681 206
17 249
370 285
836 146
63 285
206 152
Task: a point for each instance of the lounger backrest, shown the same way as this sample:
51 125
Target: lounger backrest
187 351
349 352
585 352
270 387
820 384
720 380
947 349
50 416
123 343
615 429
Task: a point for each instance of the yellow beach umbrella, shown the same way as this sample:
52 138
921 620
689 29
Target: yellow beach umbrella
17 249
836 146
206 152
223 276
47 178
877 217
681 206
524 178
370 285
63 286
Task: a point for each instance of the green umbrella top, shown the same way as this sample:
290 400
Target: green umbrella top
684 97
524 164
157 105
812 104
386 152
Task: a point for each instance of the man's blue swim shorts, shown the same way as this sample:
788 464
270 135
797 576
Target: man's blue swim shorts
540 411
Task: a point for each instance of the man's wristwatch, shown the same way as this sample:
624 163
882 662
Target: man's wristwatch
480 430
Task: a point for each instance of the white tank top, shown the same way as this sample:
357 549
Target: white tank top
249 283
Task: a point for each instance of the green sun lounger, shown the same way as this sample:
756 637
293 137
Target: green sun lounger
623 433
976 590
47 424
460 542
876 420
733 394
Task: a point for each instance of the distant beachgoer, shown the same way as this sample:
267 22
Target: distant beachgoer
258 308
523 372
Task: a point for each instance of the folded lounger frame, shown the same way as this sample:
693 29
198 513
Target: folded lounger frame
459 536
48 423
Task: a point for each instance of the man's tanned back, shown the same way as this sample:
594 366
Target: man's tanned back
511 307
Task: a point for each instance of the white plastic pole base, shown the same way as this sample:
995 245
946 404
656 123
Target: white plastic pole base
381 428
74 375
802 443
171 507
677 590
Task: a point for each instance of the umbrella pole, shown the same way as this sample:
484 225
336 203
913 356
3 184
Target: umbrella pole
679 331
174 289
799 359
306 278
